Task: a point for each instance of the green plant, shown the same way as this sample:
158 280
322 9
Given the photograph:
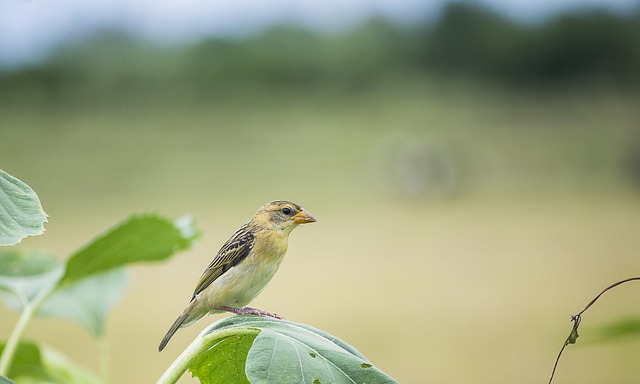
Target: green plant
258 349
83 288
239 349
620 329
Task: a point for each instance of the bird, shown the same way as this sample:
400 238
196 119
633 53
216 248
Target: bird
244 265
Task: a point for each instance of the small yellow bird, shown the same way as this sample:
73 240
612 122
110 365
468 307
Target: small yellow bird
244 265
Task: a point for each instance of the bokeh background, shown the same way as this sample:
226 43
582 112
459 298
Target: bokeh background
474 169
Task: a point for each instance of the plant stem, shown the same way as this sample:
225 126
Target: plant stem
10 347
103 355
573 336
203 342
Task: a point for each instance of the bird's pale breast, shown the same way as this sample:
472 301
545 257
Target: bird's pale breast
242 283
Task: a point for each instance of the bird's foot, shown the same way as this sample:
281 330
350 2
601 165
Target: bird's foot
250 311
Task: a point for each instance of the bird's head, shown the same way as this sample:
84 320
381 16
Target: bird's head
282 215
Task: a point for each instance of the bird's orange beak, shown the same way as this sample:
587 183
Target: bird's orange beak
303 217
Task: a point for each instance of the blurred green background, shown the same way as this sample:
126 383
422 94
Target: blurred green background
476 181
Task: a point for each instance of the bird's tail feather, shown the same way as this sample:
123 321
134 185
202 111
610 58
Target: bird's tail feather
176 324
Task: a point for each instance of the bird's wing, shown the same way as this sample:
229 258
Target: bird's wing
232 252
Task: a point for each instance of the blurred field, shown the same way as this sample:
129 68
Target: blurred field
473 284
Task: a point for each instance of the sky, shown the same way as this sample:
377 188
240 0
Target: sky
31 28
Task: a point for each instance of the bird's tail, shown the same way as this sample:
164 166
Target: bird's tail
176 325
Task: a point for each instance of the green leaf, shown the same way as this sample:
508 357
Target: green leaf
6 380
27 361
21 213
15 263
24 275
93 282
42 364
573 336
141 238
63 370
225 361
287 352
622 329
88 301
296 353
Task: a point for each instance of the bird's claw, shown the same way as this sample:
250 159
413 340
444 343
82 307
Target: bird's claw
260 312
252 311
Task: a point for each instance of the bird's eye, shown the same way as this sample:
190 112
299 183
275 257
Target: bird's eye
287 211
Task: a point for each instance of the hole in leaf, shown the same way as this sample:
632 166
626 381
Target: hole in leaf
316 381
312 355
365 365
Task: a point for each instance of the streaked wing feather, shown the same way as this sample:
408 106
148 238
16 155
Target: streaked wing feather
232 252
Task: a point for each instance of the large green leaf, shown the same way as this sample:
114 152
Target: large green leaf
88 301
24 275
36 364
141 238
93 281
288 352
296 353
225 362
21 213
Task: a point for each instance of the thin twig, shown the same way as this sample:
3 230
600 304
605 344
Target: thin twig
573 336
571 339
605 290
